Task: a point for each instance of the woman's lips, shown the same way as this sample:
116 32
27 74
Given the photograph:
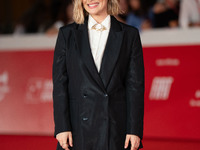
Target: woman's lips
93 5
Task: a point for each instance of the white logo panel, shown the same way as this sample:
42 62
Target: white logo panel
160 88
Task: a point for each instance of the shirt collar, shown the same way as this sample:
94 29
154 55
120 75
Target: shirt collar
106 22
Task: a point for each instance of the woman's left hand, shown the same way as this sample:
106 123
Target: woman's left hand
135 141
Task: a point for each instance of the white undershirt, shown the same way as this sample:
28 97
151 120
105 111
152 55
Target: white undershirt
98 39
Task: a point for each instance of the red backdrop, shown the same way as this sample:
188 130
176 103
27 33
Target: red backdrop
172 92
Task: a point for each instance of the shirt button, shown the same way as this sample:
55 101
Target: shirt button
85 118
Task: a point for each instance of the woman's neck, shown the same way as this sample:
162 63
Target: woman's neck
99 18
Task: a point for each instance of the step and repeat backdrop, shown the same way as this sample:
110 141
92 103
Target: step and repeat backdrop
172 84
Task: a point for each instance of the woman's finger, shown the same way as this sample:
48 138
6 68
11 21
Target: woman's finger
133 147
64 145
126 142
137 144
134 144
70 140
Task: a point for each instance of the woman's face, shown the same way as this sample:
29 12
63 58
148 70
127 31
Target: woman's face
95 7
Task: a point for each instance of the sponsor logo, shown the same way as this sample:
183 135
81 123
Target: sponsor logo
160 88
167 62
39 90
196 101
4 88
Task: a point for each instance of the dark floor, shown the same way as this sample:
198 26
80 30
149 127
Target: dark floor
21 142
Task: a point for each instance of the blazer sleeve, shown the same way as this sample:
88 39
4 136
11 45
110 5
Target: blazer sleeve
60 81
135 89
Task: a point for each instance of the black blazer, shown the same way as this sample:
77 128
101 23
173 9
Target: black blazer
100 108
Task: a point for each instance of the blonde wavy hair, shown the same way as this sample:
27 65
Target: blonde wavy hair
79 13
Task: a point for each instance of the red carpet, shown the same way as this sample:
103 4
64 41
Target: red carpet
21 142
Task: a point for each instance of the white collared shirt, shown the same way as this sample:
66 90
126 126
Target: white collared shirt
98 39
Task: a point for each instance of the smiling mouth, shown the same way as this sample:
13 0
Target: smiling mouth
93 5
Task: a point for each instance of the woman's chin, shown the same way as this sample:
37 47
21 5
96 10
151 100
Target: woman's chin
93 12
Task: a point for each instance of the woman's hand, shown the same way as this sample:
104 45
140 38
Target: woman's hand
63 139
135 141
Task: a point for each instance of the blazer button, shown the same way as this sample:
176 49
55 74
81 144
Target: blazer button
84 96
106 95
85 118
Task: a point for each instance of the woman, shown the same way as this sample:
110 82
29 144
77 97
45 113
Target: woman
98 81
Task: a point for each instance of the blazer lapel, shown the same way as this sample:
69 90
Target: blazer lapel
111 52
82 41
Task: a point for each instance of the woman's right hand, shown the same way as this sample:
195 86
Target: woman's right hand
65 139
